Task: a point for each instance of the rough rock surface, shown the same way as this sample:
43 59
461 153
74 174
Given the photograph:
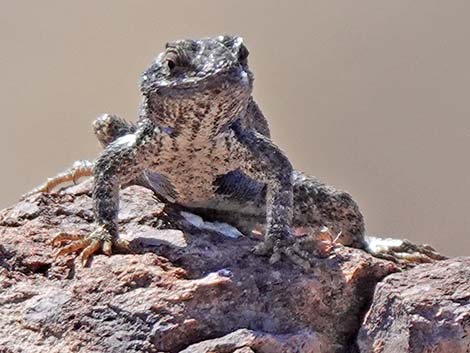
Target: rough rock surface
184 289
196 287
424 310
246 341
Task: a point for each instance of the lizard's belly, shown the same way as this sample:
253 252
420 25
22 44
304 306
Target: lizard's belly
192 185
191 176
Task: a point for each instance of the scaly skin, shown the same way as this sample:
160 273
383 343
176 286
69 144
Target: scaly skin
201 141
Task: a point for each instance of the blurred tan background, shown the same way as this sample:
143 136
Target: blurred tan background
372 96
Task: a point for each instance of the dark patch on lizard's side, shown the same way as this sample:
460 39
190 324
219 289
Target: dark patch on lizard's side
235 185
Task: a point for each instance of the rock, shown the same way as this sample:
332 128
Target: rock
423 310
243 340
244 350
185 289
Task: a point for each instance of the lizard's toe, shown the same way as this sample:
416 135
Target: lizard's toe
92 247
76 245
89 245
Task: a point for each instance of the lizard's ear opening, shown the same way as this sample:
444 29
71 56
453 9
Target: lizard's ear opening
243 53
240 49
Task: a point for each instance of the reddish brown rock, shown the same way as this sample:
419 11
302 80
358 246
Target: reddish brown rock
189 289
424 310
246 341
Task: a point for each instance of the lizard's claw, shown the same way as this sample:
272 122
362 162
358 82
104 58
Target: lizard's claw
98 240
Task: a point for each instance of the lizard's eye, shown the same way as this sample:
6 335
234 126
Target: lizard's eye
172 60
171 64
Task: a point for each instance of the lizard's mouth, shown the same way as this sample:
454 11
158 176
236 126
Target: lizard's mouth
233 80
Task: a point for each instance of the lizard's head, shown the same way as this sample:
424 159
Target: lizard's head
191 76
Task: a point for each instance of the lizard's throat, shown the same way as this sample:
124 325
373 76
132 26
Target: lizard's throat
196 117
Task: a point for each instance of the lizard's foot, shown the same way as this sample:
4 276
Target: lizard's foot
109 127
298 249
78 170
303 248
402 251
100 239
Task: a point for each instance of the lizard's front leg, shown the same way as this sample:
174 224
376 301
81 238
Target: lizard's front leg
261 160
121 161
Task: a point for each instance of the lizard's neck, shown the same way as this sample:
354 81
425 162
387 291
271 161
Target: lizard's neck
197 119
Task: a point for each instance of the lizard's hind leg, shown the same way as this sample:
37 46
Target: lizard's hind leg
107 128
318 205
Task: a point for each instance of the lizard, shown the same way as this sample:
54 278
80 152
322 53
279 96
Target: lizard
201 141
